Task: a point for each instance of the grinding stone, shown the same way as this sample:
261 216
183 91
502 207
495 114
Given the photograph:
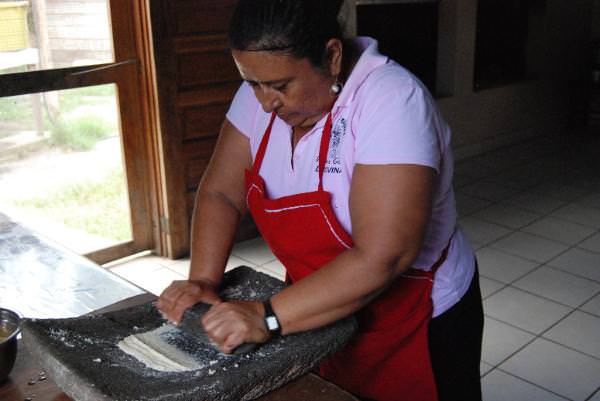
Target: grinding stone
81 355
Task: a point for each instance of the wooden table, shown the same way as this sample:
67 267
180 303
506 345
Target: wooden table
92 290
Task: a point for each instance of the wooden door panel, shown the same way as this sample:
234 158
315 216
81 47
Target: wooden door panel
196 80
218 93
203 121
205 68
199 149
200 17
195 169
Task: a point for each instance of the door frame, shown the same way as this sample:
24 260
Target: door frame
133 73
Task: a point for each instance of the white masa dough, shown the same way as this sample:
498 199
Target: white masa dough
152 350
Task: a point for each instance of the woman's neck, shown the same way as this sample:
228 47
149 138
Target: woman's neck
349 60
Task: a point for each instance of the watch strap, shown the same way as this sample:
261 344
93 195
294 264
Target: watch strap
271 320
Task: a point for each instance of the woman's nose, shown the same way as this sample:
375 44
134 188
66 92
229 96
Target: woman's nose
269 100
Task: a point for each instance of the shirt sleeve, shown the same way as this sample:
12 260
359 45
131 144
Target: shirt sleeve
398 125
243 109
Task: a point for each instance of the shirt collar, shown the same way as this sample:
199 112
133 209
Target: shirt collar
369 60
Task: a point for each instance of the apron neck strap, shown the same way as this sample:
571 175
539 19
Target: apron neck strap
260 154
323 149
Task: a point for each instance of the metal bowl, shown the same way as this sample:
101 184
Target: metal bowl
10 325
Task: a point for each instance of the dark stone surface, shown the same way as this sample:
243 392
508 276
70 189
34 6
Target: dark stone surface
81 355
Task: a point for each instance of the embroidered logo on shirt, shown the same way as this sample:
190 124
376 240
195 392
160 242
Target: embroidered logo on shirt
334 163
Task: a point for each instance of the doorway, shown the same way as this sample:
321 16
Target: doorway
77 124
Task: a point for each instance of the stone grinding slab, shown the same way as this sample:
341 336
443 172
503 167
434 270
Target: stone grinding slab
82 357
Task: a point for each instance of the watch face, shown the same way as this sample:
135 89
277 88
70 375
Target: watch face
272 323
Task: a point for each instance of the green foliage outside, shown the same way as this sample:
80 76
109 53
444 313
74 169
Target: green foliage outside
80 134
13 111
97 207
68 133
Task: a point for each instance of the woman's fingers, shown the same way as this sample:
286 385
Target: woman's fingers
231 324
232 342
181 295
168 299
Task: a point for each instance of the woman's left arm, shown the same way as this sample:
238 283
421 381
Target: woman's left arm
390 207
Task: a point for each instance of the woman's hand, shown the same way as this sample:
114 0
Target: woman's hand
230 324
182 294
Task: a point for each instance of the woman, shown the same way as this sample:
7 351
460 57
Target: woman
344 162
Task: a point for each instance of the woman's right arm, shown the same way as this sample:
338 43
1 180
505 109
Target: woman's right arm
219 206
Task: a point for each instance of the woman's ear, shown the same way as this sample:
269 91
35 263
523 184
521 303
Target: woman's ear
334 52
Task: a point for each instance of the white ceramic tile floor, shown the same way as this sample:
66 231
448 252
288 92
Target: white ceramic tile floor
485 368
592 200
592 306
274 268
481 231
156 281
507 216
502 266
467 204
591 244
254 251
558 286
561 370
559 230
559 190
182 267
488 191
535 203
489 286
540 277
501 340
234 261
500 386
580 331
530 246
579 261
578 213
524 310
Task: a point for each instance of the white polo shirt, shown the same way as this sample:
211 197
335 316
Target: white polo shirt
384 115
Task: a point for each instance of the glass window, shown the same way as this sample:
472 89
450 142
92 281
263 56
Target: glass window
47 34
61 166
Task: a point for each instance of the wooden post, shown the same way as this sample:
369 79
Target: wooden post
38 7
45 56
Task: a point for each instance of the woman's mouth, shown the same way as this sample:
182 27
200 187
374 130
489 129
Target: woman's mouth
284 117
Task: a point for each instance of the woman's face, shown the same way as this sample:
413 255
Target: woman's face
293 88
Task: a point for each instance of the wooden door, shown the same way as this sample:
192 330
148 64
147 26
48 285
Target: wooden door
196 80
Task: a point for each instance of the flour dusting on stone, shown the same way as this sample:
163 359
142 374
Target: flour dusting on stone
152 349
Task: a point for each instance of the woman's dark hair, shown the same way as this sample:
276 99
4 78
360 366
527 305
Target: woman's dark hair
300 28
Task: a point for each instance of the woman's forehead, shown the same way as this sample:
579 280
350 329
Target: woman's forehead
266 66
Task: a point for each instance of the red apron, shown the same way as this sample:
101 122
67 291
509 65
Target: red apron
388 360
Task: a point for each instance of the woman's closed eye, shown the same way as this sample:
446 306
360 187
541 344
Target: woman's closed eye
280 87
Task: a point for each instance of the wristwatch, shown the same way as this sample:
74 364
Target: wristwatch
271 320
